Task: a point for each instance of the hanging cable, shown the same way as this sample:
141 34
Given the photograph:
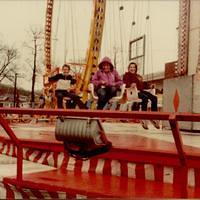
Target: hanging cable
146 30
143 16
76 41
56 34
137 18
150 41
198 57
106 35
110 28
124 41
65 33
114 35
72 28
133 22
121 8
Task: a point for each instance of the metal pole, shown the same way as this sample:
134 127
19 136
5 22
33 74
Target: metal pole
15 90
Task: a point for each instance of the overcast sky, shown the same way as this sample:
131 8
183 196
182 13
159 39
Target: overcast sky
72 22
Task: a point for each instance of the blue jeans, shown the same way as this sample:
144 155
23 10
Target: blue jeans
145 96
104 95
75 98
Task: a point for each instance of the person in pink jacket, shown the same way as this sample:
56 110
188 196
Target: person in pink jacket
106 82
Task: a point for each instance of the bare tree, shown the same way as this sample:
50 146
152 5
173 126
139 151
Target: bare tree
35 47
8 58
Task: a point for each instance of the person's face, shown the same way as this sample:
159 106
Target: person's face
106 67
65 70
132 68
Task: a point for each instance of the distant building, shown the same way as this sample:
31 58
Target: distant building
155 79
158 78
8 101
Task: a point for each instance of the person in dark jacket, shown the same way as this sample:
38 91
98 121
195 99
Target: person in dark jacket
133 79
106 81
41 101
64 83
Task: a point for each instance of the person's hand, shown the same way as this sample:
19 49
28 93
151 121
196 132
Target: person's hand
103 82
72 88
112 84
139 77
152 86
46 80
133 85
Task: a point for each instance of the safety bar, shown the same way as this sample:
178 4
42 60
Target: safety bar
89 113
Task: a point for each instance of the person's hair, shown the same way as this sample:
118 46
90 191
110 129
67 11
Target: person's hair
133 63
106 60
65 65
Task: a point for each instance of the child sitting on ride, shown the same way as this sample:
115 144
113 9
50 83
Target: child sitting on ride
133 79
41 101
106 82
64 83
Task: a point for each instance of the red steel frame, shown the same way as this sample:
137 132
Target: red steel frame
173 119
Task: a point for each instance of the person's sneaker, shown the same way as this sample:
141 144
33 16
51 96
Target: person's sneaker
156 123
144 124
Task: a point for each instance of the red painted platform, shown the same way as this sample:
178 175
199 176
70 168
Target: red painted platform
28 133
134 163
42 136
98 186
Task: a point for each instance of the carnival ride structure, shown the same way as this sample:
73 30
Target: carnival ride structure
134 167
93 51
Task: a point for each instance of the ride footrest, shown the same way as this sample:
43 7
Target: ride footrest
82 137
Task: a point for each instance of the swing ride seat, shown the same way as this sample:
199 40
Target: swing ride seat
65 99
93 94
131 97
113 100
119 95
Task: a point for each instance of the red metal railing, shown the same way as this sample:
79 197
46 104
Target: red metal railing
173 119
16 141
